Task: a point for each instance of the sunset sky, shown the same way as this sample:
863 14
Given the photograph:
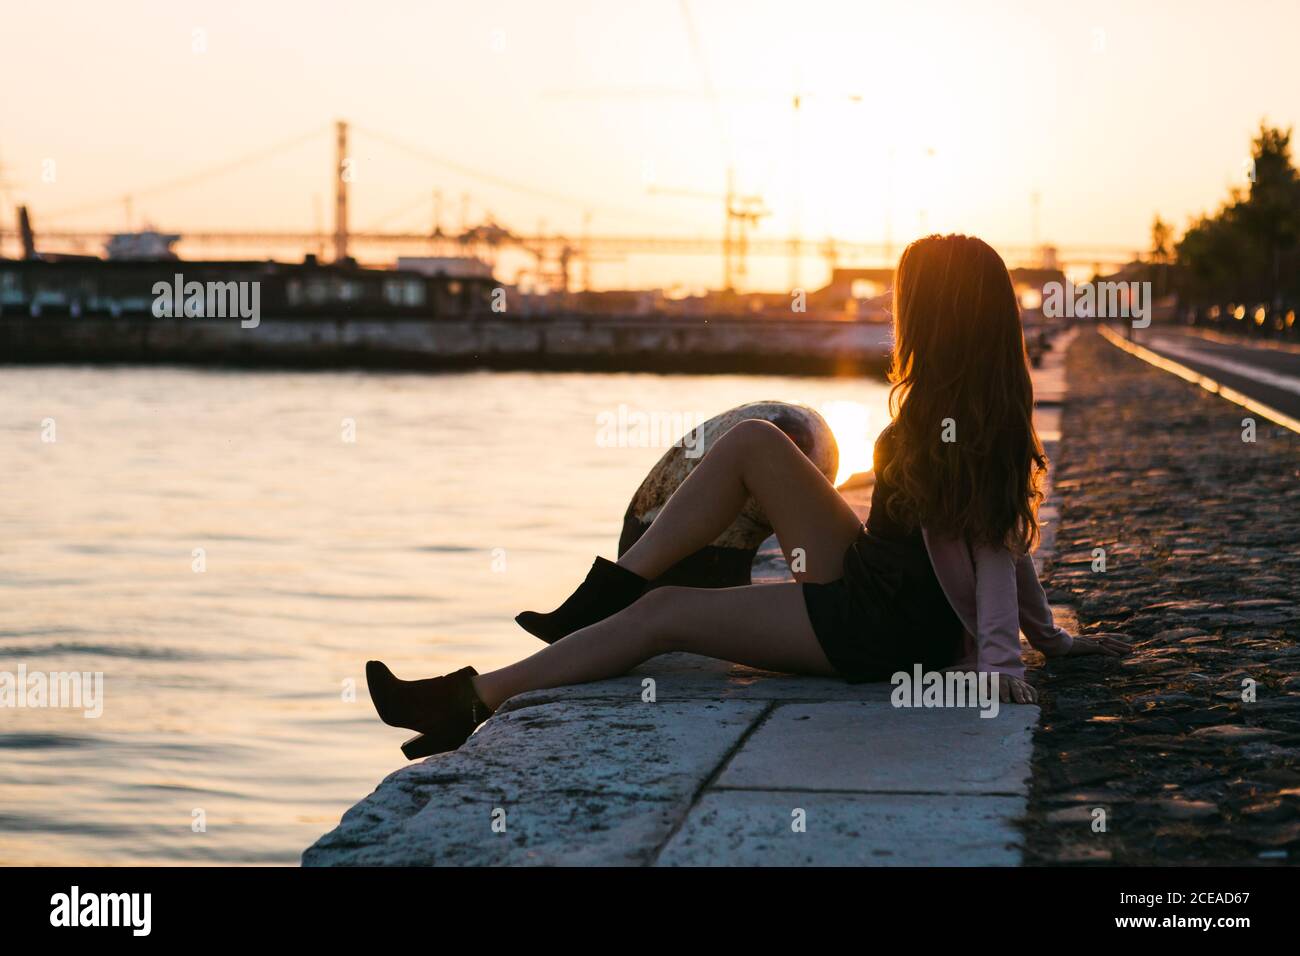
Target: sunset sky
1111 111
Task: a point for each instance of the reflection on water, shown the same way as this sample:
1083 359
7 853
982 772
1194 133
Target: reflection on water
226 709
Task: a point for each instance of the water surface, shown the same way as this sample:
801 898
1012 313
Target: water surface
463 499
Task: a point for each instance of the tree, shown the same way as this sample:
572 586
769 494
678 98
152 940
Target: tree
1249 251
1161 235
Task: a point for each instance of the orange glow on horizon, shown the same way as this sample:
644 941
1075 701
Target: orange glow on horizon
911 118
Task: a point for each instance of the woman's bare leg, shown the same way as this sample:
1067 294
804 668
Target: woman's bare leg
753 459
762 626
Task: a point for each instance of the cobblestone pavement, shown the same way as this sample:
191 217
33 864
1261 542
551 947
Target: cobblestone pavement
1201 532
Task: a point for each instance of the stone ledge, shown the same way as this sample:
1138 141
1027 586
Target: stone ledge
711 772
873 747
575 783
753 828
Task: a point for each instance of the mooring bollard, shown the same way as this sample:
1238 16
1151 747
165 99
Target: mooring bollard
725 562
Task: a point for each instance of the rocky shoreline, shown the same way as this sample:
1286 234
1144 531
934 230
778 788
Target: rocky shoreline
1200 532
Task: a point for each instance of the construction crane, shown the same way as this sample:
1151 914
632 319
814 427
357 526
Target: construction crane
741 213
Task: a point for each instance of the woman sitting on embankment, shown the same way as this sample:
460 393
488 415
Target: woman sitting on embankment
940 574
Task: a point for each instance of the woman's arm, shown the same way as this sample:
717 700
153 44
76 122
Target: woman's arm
1036 614
997 631
980 584
1040 627
997 634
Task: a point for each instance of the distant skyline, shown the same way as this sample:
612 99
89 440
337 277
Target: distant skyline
915 117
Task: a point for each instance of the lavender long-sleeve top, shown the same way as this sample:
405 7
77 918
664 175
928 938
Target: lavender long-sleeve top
997 595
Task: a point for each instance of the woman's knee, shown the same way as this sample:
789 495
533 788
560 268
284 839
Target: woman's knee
750 435
754 431
665 615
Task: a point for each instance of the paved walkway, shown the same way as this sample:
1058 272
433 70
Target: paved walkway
691 761
1190 747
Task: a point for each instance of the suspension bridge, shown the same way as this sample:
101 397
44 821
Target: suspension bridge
557 255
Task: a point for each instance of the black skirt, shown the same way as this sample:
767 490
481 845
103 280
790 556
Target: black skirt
886 614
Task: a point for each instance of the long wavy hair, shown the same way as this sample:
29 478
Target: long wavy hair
965 458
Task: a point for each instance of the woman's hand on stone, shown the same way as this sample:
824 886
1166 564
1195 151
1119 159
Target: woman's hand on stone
1112 645
1013 689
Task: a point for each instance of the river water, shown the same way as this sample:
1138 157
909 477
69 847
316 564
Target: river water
227 548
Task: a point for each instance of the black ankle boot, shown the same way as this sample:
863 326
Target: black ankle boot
606 591
445 710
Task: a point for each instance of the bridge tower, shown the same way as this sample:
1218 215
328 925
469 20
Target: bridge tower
342 175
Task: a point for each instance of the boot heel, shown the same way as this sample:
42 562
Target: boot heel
421 745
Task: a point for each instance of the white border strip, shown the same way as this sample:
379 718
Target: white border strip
1222 338
1196 378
